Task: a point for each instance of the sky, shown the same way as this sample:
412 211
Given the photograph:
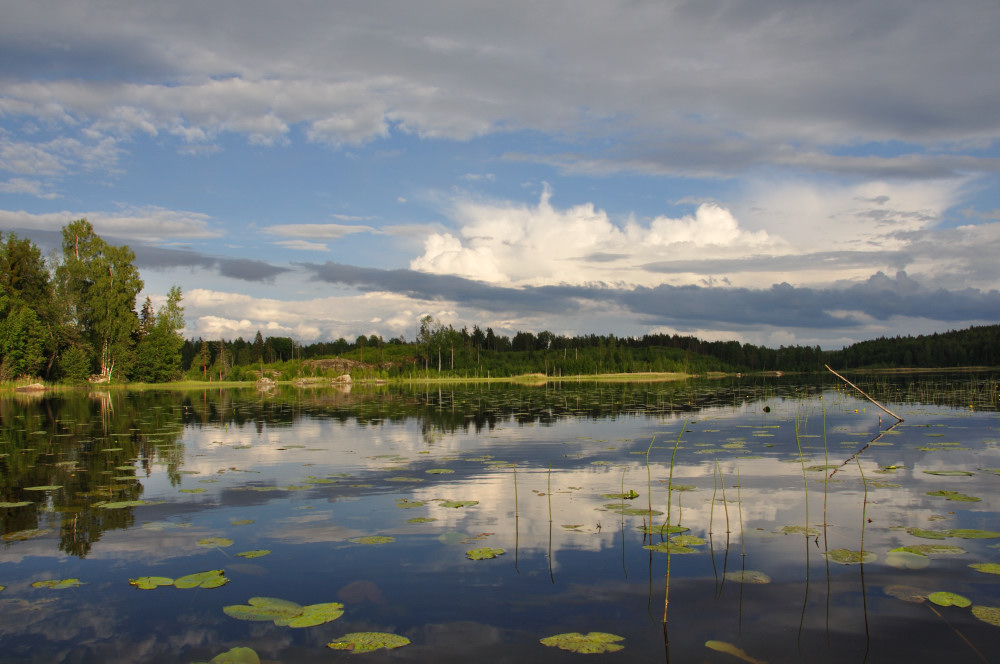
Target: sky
774 172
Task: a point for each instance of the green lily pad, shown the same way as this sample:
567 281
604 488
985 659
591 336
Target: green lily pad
629 495
848 557
198 490
950 473
631 511
949 599
906 559
215 542
256 553
150 582
237 655
663 530
971 533
932 549
988 614
210 579
47 487
986 568
593 642
241 522
439 471
669 547
484 553
421 519
954 495
368 641
22 535
748 576
401 478
285 613
316 614
23 503
405 504
372 539
121 504
459 503
687 540
57 584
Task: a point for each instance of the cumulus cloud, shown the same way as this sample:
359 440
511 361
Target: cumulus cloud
508 243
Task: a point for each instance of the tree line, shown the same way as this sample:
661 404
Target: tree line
75 318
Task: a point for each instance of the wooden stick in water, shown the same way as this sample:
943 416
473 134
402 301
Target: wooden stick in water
863 393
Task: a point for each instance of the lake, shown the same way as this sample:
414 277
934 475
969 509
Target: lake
769 519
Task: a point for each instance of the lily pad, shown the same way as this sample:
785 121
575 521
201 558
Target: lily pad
669 547
986 568
848 557
593 642
631 511
421 519
687 540
439 471
950 473
459 503
47 487
22 535
663 530
23 503
405 504
198 490
57 584
121 504
932 549
150 582
256 553
210 579
988 614
368 641
285 613
237 655
954 495
798 530
906 593
748 576
484 553
949 599
241 522
215 542
629 495
372 539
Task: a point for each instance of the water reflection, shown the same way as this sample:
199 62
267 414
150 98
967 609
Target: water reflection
770 474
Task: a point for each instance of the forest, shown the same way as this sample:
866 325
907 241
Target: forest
77 320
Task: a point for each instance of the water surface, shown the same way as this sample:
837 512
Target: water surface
772 475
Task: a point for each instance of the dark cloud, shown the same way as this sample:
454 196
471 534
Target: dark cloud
467 292
828 259
245 269
781 306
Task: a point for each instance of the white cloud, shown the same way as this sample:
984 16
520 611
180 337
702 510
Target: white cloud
303 245
317 231
29 187
518 244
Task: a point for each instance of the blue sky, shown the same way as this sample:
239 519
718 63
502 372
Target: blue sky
773 171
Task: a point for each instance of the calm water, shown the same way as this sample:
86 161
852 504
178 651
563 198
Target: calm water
771 475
